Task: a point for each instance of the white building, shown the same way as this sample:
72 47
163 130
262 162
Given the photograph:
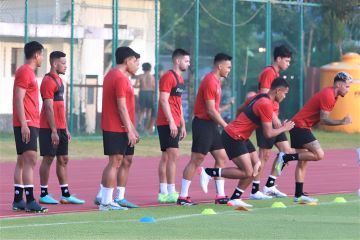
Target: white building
49 23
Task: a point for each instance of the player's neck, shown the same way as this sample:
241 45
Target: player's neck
122 69
216 74
276 67
176 69
32 64
53 71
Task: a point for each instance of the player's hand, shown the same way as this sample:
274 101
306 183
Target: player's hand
173 129
133 139
54 138
231 101
183 133
347 120
68 134
288 125
25 134
137 136
257 168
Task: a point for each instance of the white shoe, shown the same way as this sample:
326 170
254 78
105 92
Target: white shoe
279 163
273 191
204 179
238 203
259 196
305 199
111 206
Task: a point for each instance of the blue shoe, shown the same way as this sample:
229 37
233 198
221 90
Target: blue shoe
303 199
71 200
48 199
125 203
33 206
97 201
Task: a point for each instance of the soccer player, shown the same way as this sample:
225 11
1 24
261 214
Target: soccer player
308 148
282 58
257 112
26 123
205 132
118 125
54 135
171 124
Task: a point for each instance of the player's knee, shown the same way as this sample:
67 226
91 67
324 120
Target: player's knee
126 163
248 173
319 155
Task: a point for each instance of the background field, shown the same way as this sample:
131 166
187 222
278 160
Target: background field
328 220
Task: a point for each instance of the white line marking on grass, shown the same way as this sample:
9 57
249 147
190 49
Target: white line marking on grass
162 219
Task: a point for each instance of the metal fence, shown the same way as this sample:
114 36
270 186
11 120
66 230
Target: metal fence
90 31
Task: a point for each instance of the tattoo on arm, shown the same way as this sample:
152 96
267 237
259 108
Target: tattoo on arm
325 119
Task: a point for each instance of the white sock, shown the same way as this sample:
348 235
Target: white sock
185 184
163 188
220 187
171 188
106 195
99 194
120 193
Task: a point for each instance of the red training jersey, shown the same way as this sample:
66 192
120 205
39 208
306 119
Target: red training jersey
166 84
116 85
210 89
25 79
242 127
48 88
309 115
266 77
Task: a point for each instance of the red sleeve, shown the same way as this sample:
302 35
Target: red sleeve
266 78
120 87
167 82
327 102
264 109
48 88
22 79
210 92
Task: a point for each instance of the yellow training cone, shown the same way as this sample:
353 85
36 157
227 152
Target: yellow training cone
340 200
278 205
208 211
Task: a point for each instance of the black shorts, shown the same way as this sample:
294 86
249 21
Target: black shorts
22 147
166 141
46 146
117 143
268 143
235 148
146 99
206 136
301 136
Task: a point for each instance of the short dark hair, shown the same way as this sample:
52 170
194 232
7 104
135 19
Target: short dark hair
282 51
56 55
146 66
179 52
279 82
221 57
342 77
124 52
31 48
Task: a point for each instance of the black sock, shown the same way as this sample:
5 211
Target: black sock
255 187
291 157
298 189
237 193
65 190
44 191
213 172
18 193
270 182
29 193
